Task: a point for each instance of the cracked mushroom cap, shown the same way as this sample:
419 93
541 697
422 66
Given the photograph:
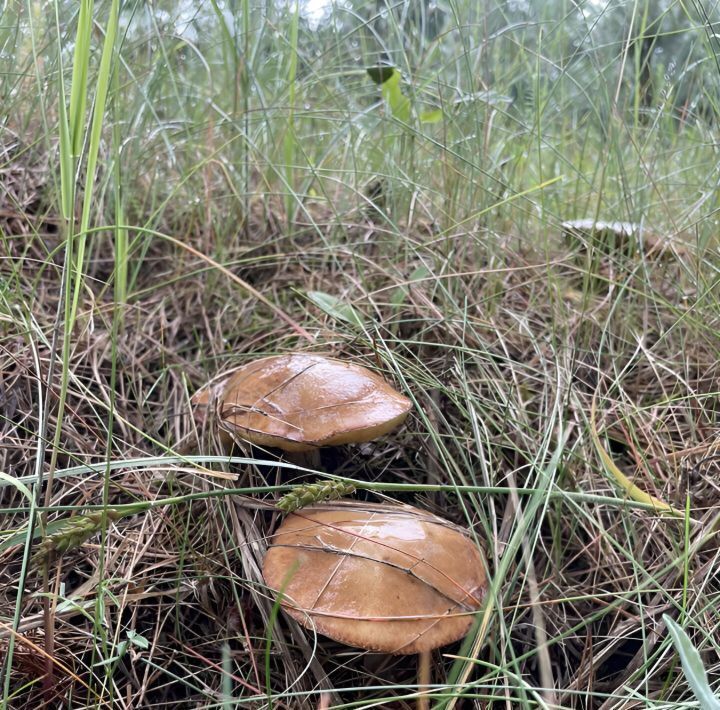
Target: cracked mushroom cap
299 402
387 578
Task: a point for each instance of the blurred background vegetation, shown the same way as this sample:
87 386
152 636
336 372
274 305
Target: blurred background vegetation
618 100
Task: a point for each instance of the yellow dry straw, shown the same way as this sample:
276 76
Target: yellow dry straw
632 491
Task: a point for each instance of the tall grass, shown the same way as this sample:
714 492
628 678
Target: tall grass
186 187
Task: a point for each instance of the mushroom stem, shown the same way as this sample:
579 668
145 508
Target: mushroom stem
306 459
423 702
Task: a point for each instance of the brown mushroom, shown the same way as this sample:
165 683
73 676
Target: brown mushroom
386 578
299 402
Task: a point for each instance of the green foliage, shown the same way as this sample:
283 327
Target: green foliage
399 104
692 665
336 308
81 62
132 640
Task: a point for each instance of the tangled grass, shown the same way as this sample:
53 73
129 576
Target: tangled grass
448 273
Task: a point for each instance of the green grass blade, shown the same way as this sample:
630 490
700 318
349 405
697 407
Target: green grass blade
336 308
692 665
78 91
121 232
66 159
18 485
103 83
289 139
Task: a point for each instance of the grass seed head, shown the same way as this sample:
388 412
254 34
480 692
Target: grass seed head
311 493
71 534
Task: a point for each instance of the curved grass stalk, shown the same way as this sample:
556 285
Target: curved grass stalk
630 489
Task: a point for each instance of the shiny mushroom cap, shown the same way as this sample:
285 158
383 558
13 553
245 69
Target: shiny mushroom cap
386 578
299 402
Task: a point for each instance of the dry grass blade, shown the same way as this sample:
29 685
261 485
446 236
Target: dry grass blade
51 659
243 284
630 488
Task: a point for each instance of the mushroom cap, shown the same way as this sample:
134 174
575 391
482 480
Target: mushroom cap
205 397
387 578
203 404
298 402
